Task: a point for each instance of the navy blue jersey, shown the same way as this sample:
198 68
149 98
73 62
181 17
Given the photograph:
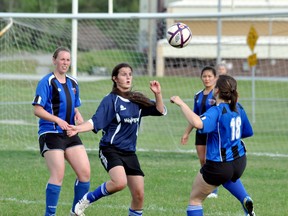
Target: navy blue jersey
224 130
203 102
119 120
57 99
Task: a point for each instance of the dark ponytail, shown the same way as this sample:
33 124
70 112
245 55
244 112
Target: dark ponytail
227 86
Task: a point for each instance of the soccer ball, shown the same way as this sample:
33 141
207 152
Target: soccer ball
179 35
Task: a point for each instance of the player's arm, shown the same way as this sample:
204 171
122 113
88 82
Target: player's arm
185 136
40 112
156 89
192 117
78 117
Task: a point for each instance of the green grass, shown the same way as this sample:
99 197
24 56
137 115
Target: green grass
167 186
18 66
86 61
169 167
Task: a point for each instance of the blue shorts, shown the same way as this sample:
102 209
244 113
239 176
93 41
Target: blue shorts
111 157
60 141
218 173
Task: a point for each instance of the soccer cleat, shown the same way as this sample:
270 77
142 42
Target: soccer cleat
212 195
248 206
74 214
82 205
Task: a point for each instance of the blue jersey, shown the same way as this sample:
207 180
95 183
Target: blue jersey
203 102
58 99
224 130
119 120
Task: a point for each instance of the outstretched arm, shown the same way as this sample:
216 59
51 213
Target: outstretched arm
156 89
192 117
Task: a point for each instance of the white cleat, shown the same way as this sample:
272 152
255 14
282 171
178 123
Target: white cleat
82 205
74 214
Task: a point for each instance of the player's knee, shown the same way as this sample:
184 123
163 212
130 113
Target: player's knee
119 185
84 176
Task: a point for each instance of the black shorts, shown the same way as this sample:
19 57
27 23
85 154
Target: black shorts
61 141
111 157
200 139
218 173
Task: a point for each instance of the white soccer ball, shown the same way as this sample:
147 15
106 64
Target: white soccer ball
179 35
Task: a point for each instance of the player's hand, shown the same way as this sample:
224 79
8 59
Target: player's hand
62 124
184 139
177 100
155 87
72 130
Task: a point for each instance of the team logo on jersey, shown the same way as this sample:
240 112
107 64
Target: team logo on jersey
59 89
122 108
74 90
211 101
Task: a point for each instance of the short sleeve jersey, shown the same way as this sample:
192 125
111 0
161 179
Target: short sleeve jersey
203 102
57 99
225 129
119 119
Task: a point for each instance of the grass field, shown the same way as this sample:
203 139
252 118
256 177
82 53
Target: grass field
169 167
167 186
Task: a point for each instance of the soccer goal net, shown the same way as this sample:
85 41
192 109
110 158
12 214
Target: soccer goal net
27 44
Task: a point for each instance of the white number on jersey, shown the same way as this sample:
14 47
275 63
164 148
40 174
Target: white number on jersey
235 125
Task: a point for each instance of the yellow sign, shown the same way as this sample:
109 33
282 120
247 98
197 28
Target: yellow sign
252 38
252 60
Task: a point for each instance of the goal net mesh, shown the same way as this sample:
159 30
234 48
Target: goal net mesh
27 44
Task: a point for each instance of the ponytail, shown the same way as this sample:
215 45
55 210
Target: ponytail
227 86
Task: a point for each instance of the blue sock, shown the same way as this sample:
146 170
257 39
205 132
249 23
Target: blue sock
193 210
80 189
135 212
100 192
237 189
52 196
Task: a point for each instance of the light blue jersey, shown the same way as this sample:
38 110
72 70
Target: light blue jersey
119 119
224 143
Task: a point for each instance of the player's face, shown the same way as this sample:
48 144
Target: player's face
124 79
62 62
208 78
